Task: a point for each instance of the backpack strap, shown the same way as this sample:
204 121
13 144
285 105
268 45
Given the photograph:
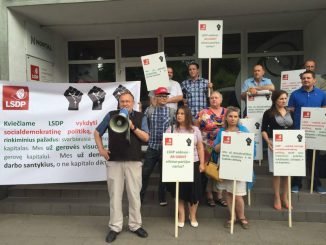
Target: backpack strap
172 117
148 113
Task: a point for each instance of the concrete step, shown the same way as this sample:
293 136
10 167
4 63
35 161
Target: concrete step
92 199
91 190
98 191
80 207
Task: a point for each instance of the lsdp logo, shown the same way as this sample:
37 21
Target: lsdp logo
15 98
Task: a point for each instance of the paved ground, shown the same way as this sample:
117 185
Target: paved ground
91 230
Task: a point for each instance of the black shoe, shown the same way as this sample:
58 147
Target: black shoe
111 236
163 201
140 232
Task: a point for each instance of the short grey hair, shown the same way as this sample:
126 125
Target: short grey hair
216 92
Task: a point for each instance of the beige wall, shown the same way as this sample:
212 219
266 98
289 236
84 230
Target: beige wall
17 35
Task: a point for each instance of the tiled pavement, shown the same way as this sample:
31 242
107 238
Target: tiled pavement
91 230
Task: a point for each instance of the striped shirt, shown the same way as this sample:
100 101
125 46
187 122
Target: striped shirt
159 120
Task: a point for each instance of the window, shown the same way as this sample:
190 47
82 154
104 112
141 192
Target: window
231 43
277 41
225 78
276 51
138 47
179 46
180 69
91 50
92 73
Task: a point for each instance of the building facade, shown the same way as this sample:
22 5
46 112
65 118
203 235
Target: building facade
102 41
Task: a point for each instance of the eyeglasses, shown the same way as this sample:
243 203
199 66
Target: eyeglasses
162 96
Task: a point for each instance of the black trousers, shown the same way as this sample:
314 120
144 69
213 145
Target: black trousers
297 181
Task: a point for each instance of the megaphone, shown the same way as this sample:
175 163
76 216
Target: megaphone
120 123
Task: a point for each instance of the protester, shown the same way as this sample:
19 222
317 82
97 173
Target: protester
190 192
209 121
195 90
160 117
174 90
123 166
278 117
307 96
231 124
311 65
256 83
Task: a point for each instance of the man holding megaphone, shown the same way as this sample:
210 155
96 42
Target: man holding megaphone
127 130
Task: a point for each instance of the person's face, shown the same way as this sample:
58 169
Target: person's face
193 71
258 72
308 81
310 66
126 101
181 117
215 100
170 73
281 101
233 118
161 99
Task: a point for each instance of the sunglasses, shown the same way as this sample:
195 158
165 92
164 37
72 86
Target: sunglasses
161 96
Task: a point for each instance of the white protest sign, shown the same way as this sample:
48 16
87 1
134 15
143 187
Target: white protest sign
237 156
155 70
290 80
46 130
257 105
313 122
210 38
254 126
289 153
178 158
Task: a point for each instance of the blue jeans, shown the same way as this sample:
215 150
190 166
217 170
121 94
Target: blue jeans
152 157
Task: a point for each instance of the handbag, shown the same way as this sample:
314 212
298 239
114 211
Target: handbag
212 169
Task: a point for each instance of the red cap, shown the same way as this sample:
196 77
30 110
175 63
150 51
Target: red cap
161 90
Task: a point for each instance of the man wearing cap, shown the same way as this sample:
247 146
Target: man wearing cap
174 90
195 90
159 119
123 165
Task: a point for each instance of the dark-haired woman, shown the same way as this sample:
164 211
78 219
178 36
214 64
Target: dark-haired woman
277 118
190 192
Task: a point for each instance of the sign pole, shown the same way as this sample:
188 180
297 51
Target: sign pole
209 74
233 207
176 209
249 197
312 171
290 201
